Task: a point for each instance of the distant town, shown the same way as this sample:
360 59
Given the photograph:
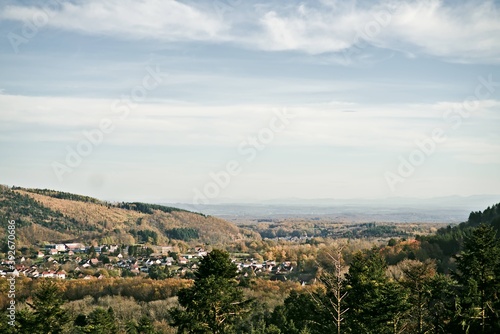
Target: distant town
79 261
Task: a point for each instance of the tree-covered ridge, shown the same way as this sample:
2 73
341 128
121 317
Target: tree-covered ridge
448 241
150 208
49 216
27 210
61 195
136 206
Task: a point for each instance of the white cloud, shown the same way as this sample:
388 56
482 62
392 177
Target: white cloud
455 31
458 32
151 19
392 127
465 32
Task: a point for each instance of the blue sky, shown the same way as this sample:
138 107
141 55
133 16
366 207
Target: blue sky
157 98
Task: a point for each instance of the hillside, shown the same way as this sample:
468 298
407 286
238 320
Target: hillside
52 216
449 241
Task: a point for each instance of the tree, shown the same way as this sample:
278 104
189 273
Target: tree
441 304
303 311
333 301
478 269
158 272
214 302
91 252
47 316
376 305
100 321
145 326
416 278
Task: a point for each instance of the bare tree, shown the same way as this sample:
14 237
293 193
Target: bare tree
333 282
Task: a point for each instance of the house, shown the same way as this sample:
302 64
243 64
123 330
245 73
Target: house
53 251
61 274
182 260
75 246
120 256
94 261
71 253
200 252
47 274
60 247
113 248
34 274
13 273
40 255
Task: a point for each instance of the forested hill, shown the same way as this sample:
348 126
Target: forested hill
449 241
43 215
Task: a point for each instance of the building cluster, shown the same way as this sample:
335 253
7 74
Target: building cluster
86 262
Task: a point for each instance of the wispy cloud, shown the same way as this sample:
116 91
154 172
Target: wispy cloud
129 19
391 127
459 32
454 31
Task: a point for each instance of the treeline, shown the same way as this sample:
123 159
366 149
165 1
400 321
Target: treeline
145 207
140 289
182 233
145 236
448 241
61 195
136 206
26 211
327 230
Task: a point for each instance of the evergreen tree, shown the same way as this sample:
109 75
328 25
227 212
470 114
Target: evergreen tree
145 326
416 278
376 305
306 310
478 267
441 304
47 316
214 302
100 321
159 273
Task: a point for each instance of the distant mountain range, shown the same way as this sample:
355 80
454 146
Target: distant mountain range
450 209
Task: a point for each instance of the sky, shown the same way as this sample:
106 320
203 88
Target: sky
230 101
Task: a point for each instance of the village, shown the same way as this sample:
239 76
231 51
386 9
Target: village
79 261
